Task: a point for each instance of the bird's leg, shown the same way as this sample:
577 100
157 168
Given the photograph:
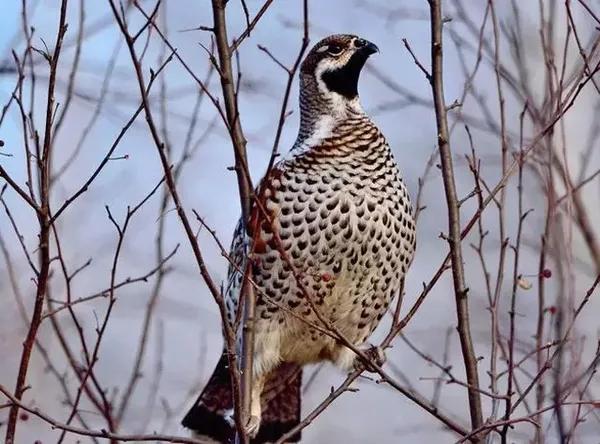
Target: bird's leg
376 356
253 424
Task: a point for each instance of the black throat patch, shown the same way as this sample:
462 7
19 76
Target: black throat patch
344 80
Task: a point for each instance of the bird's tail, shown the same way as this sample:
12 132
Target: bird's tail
280 405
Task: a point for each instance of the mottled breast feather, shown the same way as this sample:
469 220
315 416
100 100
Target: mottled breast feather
340 213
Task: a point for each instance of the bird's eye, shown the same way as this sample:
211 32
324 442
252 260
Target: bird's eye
334 50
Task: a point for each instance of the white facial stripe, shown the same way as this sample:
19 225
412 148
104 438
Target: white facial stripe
323 66
323 48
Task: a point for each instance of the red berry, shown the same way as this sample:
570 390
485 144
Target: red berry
24 416
546 273
552 309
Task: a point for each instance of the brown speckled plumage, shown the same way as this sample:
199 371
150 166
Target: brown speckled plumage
336 207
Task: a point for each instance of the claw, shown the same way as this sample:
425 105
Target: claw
378 355
375 354
252 426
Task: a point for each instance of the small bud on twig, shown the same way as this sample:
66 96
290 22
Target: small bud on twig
523 283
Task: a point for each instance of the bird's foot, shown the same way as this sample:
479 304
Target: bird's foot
252 426
376 357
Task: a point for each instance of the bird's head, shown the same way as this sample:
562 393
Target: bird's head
334 64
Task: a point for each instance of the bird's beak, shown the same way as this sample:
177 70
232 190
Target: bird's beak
368 48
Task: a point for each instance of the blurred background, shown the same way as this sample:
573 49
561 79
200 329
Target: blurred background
170 314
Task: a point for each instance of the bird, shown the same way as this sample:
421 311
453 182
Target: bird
329 240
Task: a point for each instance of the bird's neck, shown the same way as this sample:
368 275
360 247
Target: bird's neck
322 111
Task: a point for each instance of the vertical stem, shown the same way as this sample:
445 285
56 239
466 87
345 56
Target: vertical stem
247 296
540 390
231 107
454 236
513 301
44 236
